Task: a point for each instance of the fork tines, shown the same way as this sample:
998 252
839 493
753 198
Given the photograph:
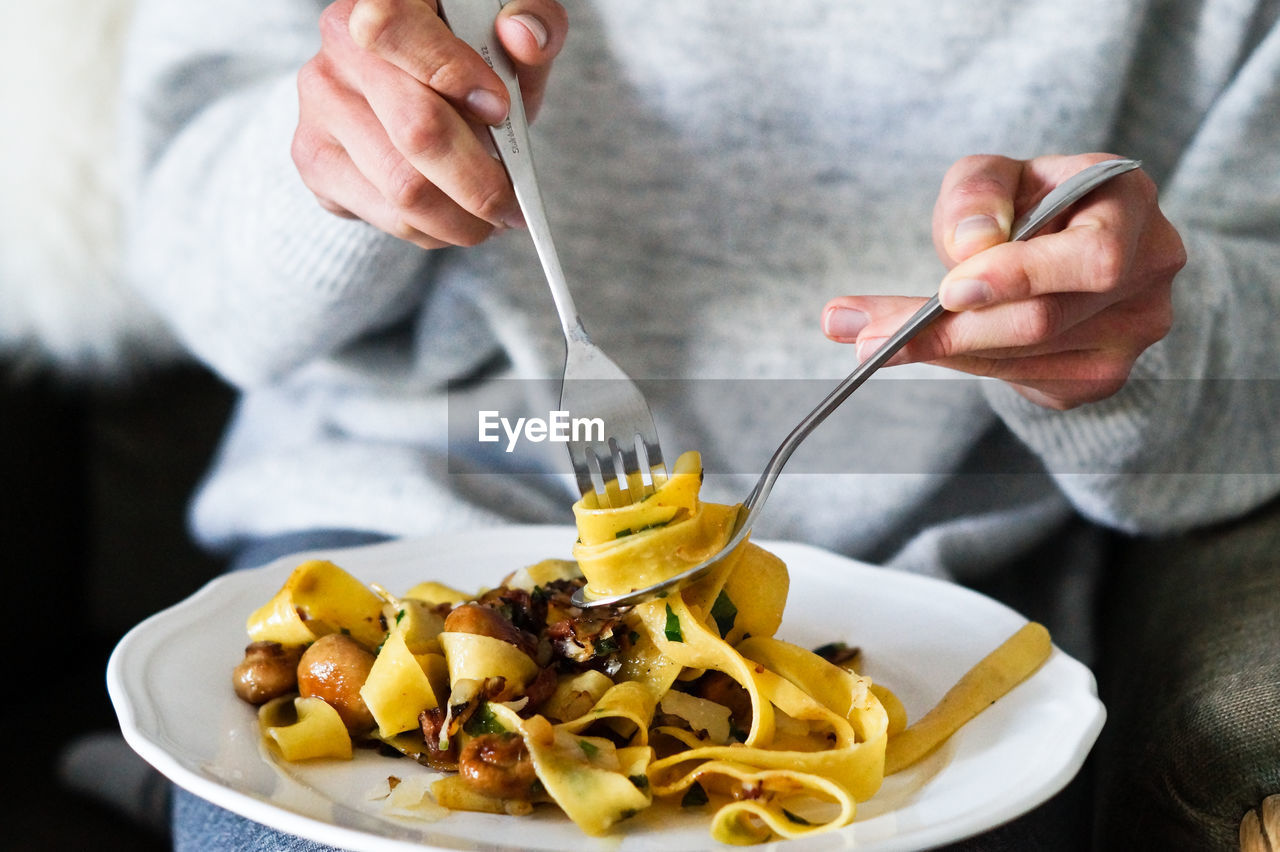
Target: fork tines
613 442
618 472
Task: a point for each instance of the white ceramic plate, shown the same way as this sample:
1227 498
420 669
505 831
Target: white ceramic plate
170 681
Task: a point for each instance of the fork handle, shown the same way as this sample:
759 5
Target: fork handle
472 22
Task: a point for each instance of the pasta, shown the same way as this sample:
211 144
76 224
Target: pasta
689 698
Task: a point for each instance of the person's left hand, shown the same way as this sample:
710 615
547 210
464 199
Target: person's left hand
1061 317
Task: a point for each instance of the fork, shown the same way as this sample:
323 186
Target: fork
612 439
1024 227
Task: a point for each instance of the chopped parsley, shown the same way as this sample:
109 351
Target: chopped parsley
483 721
838 652
588 748
673 631
633 531
694 797
724 612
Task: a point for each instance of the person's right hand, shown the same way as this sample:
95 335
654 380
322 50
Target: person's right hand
391 112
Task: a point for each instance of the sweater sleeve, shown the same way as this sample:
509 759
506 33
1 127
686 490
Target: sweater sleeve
224 239
1194 437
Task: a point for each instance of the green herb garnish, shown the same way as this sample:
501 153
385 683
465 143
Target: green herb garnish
627 532
724 612
673 631
483 721
694 796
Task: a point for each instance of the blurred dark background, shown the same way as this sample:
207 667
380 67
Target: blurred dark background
105 429
95 478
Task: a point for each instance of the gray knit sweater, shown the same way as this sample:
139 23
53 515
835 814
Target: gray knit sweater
714 173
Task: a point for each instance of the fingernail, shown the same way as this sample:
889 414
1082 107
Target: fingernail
964 293
978 229
536 28
867 348
513 218
844 323
487 106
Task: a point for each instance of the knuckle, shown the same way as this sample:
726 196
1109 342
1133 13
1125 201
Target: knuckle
319 86
975 175
423 135
333 22
403 228
370 21
1146 188
977 186
1108 261
968 164
408 188
944 341
1175 257
302 152
1105 373
315 79
1110 379
1160 260
448 73
490 203
1037 320
308 151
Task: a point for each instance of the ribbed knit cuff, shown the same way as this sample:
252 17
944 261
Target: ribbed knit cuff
305 244
1109 436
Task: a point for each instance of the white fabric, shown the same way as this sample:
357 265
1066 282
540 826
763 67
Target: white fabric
62 299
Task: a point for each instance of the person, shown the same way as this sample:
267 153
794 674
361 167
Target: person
747 199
